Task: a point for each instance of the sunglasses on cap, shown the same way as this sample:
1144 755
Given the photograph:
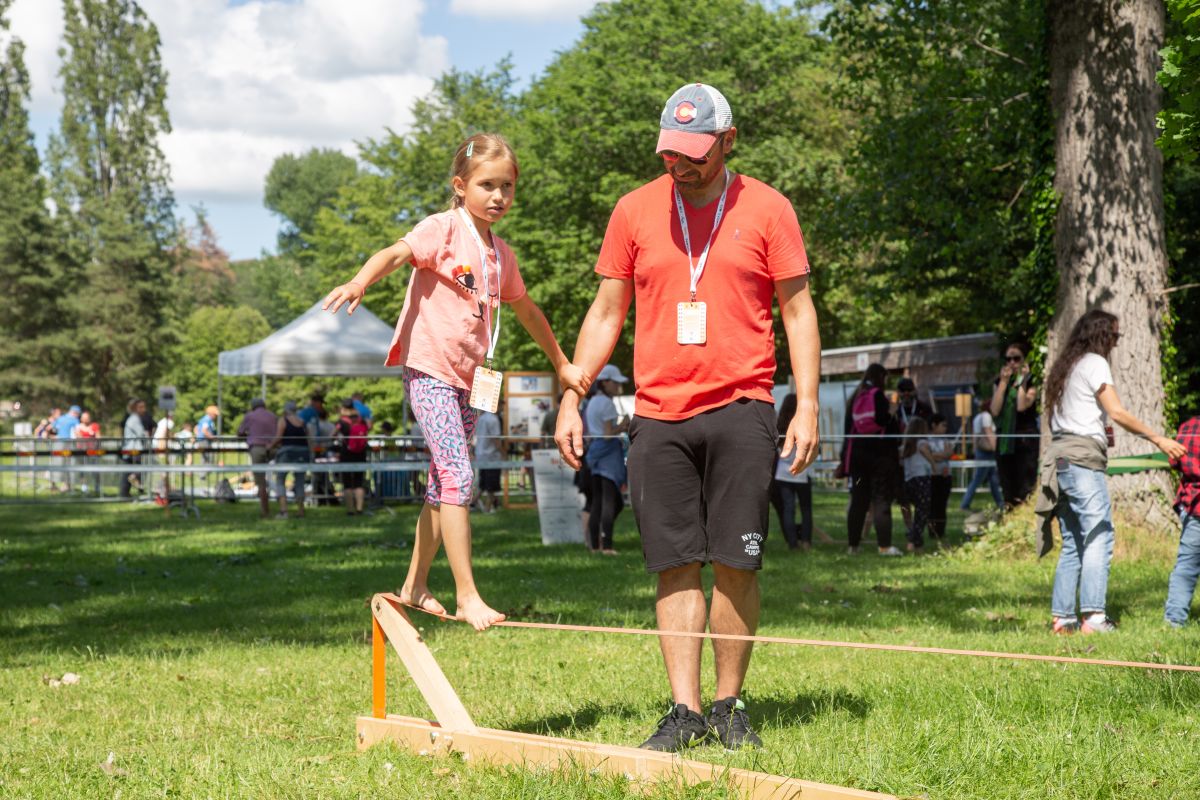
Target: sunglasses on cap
670 156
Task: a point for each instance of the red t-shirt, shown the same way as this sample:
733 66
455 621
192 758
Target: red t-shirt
759 242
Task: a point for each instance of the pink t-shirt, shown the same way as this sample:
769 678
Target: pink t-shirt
442 330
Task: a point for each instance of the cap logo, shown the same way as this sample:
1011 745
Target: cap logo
685 112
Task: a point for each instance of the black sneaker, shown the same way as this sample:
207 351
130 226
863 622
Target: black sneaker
731 724
679 729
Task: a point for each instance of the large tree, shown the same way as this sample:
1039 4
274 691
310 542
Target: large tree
29 273
1109 239
297 187
111 185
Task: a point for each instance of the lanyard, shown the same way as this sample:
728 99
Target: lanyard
696 269
487 298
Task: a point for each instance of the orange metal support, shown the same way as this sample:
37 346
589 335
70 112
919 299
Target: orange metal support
378 671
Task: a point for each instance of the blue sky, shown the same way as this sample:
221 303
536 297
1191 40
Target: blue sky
250 80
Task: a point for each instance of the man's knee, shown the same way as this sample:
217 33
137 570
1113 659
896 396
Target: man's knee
679 578
732 580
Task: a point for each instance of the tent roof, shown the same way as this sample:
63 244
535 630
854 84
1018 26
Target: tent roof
317 343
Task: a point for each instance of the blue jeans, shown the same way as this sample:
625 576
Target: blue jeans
1182 584
1085 519
982 474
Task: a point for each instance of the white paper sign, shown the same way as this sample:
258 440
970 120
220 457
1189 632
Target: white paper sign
557 499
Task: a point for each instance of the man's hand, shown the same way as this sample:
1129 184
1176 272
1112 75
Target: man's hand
803 438
568 432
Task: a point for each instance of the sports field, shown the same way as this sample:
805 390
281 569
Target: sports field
227 658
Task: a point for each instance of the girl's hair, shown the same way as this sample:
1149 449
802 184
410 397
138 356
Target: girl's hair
1094 332
875 375
475 150
787 410
1022 347
917 427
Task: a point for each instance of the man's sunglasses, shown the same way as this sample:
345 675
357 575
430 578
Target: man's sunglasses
1014 358
670 156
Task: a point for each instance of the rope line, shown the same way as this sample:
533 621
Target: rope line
895 648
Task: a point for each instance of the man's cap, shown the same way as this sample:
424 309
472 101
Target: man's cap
692 118
258 402
76 410
906 385
289 407
611 373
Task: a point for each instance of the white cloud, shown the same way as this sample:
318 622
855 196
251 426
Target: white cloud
248 83
526 9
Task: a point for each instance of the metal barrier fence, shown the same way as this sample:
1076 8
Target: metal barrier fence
99 470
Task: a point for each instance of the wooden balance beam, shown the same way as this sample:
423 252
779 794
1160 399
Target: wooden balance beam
455 732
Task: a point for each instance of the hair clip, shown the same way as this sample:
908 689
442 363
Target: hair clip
470 148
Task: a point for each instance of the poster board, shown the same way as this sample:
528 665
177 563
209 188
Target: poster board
528 398
557 499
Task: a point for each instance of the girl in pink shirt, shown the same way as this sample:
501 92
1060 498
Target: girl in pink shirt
462 273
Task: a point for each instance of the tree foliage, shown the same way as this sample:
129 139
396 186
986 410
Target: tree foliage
952 166
111 187
1180 76
297 187
29 273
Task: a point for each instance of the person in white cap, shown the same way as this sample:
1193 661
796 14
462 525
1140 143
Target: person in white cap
605 460
705 252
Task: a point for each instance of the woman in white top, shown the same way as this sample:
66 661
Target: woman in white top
1081 398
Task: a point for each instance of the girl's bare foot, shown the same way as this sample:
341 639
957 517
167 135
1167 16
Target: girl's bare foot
422 599
479 614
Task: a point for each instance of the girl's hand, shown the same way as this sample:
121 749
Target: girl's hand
574 378
1172 448
352 292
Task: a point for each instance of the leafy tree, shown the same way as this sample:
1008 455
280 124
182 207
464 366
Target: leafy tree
949 219
1180 75
204 275
297 187
193 371
110 183
31 276
280 287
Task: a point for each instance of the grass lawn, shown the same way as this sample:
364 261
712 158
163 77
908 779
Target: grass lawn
227 658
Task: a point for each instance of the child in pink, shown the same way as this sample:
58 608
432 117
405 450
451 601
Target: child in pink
450 325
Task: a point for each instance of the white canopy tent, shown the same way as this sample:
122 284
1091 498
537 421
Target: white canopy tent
315 343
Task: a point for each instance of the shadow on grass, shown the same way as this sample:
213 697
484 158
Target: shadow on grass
803 709
583 718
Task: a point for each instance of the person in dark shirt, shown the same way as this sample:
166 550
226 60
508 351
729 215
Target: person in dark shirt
873 461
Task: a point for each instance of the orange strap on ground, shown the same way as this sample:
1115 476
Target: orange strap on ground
897 648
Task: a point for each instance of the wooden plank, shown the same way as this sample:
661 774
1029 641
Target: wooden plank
645 767
421 665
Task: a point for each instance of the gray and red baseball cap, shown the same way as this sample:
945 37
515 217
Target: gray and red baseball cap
691 120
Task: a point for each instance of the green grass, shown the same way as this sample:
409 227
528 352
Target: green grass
227 658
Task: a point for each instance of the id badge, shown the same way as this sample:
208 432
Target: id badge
693 323
485 389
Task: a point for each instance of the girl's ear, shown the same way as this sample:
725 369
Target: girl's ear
459 186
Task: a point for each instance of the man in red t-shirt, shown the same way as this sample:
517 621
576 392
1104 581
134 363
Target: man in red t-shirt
705 252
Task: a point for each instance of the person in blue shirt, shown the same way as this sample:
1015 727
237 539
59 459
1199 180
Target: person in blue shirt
312 412
65 425
364 411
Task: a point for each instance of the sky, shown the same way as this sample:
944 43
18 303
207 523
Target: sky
250 80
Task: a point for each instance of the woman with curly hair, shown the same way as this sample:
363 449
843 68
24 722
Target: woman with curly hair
1081 398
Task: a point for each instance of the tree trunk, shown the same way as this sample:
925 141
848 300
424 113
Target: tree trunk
1109 240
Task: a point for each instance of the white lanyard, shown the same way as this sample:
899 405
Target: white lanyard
696 269
487 298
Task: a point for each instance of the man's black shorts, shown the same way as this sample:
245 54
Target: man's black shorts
700 486
489 480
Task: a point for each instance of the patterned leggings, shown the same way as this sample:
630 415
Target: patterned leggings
448 423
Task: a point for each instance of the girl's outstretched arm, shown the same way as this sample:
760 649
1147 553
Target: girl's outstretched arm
534 321
386 261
